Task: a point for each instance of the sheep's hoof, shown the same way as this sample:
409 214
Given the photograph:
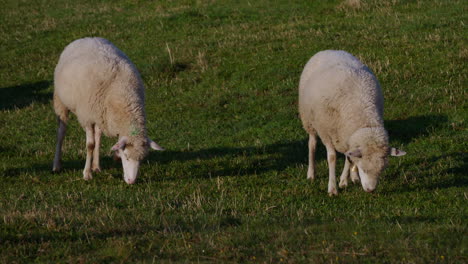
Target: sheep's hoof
96 169
310 176
56 169
332 192
355 180
87 175
343 184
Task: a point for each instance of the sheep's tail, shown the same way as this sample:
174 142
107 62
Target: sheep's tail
60 109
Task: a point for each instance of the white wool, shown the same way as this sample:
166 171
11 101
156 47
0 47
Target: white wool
97 82
340 100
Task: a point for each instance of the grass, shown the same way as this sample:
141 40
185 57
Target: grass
221 80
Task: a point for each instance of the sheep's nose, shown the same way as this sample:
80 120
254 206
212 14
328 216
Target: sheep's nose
369 190
130 181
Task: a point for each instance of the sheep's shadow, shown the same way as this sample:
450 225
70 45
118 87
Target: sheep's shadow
406 130
221 161
204 163
23 95
458 173
214 162
67 166
255 160
452 177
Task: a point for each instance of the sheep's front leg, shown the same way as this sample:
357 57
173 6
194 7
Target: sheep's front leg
97 143
58 148
345 174
354 174
312 145
89 152
331 158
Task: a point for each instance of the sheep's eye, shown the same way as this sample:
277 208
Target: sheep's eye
127 146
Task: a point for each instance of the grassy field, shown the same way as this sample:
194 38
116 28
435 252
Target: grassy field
221 79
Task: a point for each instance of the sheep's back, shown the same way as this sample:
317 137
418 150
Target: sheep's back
338 95
88 71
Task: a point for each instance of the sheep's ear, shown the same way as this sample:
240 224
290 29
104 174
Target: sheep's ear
154 145
396 152
354 153
120 144
116 156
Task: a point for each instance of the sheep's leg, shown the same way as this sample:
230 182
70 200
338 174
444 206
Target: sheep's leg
97 143
331 158
354 174
345 174
312 145
62 127
89 152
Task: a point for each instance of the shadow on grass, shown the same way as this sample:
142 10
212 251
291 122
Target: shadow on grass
412 219
67 165
205 163
23 95
427 179
214 162
74 166
406 130
456 174
217 162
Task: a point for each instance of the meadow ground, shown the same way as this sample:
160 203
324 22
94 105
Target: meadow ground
222 80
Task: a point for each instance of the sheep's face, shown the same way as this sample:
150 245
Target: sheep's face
371 162
131 152
129 164
369 151
370 168
370 165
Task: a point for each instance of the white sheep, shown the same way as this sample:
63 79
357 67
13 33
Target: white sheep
102 87
341 101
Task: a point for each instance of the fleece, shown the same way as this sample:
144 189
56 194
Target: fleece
101 86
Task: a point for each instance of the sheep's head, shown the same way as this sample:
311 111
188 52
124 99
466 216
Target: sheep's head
371 161
369 151
131 151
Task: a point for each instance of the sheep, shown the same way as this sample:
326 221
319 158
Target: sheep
341 101
102 87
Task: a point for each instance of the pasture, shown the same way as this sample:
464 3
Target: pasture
221 83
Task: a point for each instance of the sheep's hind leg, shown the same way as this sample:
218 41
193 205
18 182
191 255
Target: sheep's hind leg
344 174
97 143
331 158
62 127
312 146
89 152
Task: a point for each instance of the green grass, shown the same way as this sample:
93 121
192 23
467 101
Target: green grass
221 79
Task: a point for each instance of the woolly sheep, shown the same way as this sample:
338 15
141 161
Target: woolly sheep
341 101
102 87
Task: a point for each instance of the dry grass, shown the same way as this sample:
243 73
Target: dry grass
351 4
